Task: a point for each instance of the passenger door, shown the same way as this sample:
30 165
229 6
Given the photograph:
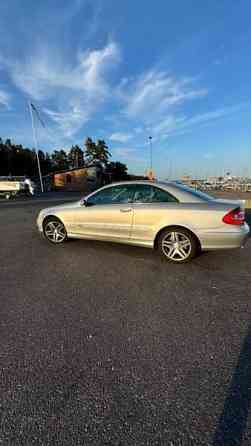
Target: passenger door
151 204
107 214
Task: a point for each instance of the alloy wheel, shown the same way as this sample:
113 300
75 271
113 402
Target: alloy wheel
55 231
176 246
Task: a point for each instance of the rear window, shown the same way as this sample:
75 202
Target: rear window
195 193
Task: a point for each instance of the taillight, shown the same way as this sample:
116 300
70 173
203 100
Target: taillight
234 217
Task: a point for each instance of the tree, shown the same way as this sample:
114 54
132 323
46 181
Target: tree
117 171
17 160
46 164
90 150
103 153
76 157
96 152
3 158
60 160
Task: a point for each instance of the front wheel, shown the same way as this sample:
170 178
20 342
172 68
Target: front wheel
177 245
55 231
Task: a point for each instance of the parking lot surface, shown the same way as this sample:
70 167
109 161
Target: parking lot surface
105 344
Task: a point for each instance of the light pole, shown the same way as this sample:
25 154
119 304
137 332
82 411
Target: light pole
36 146
151 153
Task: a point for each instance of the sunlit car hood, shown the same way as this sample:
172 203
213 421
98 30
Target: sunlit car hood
60 207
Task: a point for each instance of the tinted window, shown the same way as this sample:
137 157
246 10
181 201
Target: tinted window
145 193
113 195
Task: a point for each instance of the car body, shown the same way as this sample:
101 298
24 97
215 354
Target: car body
138 212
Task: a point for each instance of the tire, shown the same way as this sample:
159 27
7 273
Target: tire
8 195
177 245
54 230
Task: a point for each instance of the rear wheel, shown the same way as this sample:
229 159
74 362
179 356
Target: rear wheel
55 231
177 245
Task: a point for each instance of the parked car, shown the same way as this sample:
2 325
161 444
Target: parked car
175 219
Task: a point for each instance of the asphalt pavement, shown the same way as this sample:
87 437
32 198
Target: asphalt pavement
105 344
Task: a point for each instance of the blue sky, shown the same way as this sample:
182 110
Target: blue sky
123 70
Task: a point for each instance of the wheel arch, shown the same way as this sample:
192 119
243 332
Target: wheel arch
50 217
155 244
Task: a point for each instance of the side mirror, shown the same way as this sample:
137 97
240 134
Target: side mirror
86 203
83 202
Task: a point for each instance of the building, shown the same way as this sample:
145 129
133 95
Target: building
83 179
191 182
150 174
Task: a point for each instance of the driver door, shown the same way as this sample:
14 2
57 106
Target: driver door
107 214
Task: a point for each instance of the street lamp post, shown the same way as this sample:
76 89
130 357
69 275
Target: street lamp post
151 153
36 146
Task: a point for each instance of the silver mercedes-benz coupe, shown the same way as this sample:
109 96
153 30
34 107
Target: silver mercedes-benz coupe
177 220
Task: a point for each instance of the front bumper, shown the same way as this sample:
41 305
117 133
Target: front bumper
40 223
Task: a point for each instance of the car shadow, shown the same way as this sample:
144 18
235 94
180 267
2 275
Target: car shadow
233 420
117 248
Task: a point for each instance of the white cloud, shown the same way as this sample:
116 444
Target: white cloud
156 92
5 99
138 130
154 102
158 101
42 73
69 122
208 155
210 116
173 125
120 137
167 125
129 155
125 153
75 90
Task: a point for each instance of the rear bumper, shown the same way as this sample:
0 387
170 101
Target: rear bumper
235 237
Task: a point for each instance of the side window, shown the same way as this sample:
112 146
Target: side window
113 195
145 193
162 196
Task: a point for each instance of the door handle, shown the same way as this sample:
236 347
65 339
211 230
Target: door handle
126 210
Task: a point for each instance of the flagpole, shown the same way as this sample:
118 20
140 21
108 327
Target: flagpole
36 146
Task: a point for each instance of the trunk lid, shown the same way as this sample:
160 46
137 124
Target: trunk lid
231 203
